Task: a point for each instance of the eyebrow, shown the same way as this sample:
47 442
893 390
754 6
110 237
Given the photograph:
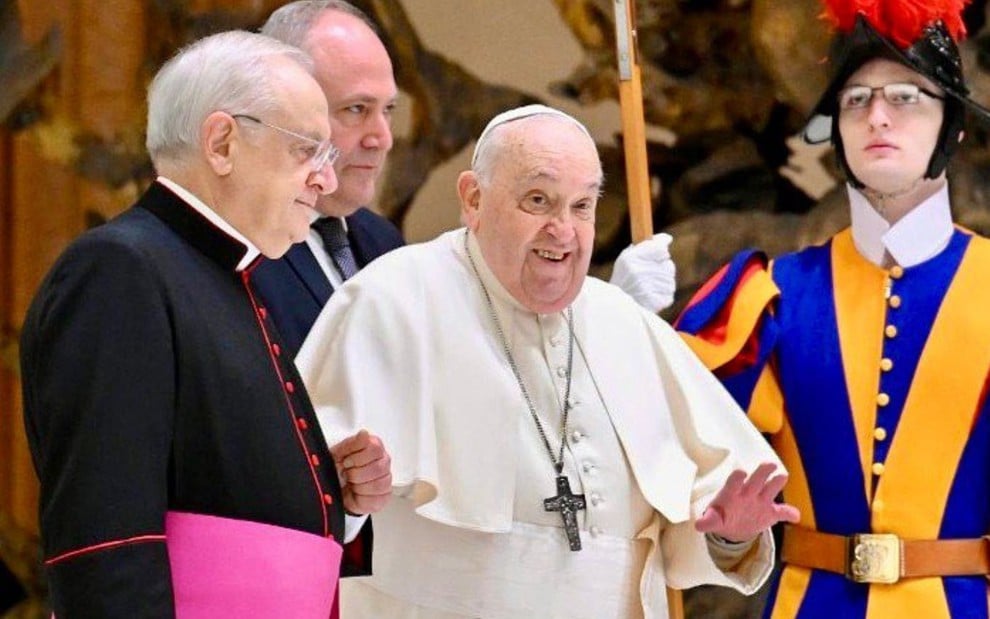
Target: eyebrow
306 134
366 98
595 187
314 136
907 80
542 173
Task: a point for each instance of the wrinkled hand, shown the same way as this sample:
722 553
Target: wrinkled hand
646 272
365 471
744 507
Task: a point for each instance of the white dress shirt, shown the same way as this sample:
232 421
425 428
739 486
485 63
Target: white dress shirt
920 235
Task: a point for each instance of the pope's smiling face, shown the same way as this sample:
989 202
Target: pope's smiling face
535 217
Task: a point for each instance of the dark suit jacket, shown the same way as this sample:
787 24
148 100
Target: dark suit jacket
295 289
154 381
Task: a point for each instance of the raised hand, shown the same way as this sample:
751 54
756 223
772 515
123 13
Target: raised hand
744 508
365 471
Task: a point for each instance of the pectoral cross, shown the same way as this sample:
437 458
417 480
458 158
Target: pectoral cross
567 503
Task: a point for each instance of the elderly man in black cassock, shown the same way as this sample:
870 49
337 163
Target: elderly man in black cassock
182 469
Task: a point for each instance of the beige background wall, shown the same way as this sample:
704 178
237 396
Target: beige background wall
525 44
515 42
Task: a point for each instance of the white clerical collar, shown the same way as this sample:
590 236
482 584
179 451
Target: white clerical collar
920 235
200 207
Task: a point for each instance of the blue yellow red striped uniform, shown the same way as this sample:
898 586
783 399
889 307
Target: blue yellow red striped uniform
872 386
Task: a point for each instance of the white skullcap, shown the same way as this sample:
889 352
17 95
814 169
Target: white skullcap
522 112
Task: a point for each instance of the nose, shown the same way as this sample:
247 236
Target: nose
561 224
379 133
878 113
323 180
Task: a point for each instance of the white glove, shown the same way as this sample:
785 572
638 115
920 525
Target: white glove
646 272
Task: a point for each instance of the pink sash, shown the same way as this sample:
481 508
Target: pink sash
236 568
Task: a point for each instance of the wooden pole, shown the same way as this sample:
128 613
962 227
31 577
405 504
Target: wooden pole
637 170
633 123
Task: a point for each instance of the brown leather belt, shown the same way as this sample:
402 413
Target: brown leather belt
883 557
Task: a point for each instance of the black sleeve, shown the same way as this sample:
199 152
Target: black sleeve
98 377
11 591
357 553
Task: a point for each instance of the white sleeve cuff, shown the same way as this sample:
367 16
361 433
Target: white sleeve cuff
353 526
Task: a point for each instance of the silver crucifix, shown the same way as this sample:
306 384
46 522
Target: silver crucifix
567 503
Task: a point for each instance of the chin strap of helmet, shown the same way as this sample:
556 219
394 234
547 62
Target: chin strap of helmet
953 123
840 154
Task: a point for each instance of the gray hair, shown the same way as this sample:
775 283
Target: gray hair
490 143
224 72
291 23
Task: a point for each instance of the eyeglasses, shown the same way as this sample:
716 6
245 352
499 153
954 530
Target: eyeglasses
859 97
318 154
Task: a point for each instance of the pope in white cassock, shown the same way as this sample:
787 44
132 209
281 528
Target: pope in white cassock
557 451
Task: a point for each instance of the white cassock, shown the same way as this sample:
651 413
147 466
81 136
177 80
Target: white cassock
408 350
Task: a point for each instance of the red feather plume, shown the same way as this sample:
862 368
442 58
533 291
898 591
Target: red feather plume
900 21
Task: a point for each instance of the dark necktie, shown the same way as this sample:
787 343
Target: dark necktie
331 230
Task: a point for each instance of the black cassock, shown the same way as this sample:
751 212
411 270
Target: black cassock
153 381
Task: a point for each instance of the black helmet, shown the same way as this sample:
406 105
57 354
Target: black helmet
921 37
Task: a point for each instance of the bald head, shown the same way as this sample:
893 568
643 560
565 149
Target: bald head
292 22
510 127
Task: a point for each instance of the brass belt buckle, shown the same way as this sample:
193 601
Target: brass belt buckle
874 558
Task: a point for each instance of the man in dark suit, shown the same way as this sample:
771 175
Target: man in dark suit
355 73
182 468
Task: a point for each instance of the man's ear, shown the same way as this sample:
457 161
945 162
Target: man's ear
219 138
469 192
